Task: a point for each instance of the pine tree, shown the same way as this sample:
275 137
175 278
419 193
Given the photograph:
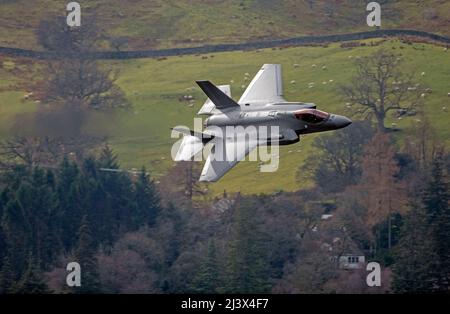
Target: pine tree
436 201
32 281
207 279
108 159
7 279
3 202
85 256
69 203
414 255
38 202
146 199
248 265
171 215
114 199
17 236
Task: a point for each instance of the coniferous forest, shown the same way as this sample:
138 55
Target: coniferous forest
131 235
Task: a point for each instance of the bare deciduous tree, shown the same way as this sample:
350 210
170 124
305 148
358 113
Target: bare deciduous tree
380 87
43 151
55 35
83 84
75 78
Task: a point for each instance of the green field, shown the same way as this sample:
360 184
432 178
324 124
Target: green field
168 23
142 136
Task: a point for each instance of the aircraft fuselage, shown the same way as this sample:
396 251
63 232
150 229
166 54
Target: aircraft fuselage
303 118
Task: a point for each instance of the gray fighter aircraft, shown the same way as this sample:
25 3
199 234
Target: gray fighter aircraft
262 104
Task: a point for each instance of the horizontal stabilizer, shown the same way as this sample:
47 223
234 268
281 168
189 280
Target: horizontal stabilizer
190 146
219 98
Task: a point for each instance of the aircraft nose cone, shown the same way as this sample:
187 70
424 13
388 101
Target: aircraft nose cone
341 122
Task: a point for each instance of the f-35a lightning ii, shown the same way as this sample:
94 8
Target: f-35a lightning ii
261 106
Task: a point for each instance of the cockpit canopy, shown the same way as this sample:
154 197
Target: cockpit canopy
311 116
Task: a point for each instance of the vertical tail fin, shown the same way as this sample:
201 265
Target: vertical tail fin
208 106
219 98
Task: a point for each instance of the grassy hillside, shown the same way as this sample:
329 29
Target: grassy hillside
142 136
166 23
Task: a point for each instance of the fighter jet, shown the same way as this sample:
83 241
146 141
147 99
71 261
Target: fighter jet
261 105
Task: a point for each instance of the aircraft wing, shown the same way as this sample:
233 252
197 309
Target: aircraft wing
266 86
225 154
